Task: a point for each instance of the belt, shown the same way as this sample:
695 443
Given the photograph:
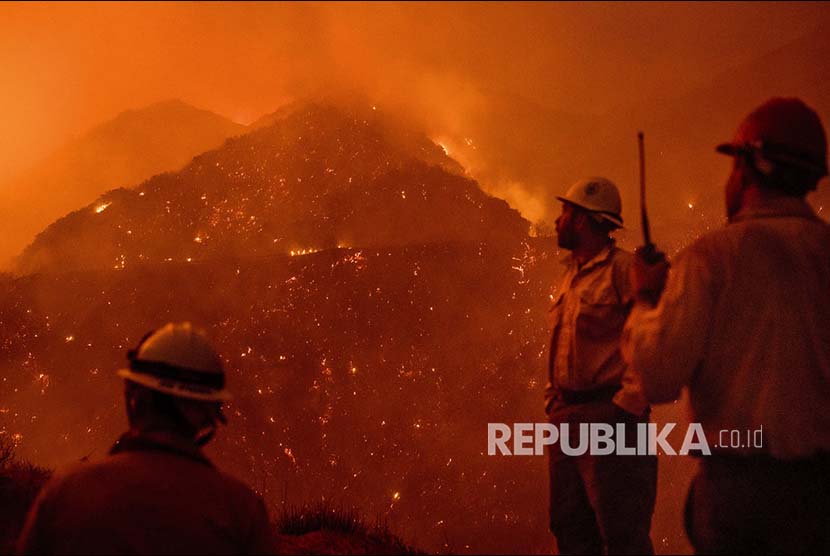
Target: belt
604 394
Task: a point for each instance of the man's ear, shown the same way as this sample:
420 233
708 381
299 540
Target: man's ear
136 399
580 220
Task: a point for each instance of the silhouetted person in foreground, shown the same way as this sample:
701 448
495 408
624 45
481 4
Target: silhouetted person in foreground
156 492
744 322
598 503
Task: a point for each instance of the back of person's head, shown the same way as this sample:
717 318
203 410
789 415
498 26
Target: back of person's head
782 145
175 382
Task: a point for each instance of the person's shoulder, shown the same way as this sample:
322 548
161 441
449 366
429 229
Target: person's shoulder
621 257
620 254
244 499
69 478
78 475
82 470
708 243
238 488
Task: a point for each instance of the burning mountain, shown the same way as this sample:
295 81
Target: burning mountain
319 178
364 375
122 152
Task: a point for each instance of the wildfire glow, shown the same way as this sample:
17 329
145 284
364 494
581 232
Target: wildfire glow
308 251
101 208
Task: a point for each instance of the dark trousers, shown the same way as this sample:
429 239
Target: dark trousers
601 504
758 505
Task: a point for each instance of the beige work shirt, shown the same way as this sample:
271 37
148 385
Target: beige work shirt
588 314
744 321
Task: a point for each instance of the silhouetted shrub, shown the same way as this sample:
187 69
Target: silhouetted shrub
323 529
20 482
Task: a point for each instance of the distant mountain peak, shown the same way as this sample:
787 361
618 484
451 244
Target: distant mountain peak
322 176
121 152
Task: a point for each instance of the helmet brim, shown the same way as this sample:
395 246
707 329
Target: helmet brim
174 388
613 219
731 149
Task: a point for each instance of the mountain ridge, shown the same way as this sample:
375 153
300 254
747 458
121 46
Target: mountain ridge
321 177
127 149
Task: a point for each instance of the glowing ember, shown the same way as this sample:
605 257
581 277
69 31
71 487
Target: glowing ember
43 379
101 208
304 252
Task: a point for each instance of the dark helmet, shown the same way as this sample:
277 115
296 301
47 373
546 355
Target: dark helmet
782 132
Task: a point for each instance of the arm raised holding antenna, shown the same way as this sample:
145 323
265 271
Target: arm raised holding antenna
650 268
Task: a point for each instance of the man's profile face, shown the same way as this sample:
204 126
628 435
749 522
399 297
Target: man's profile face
566 232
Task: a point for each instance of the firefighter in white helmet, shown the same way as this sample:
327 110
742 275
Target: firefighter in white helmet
744 322
598 503
156 492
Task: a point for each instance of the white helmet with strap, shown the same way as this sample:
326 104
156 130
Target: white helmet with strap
178 360
599 196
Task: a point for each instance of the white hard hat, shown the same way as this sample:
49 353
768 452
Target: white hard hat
599 196
177 359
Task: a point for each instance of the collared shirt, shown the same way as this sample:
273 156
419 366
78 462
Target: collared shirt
154 494
589 310
744 321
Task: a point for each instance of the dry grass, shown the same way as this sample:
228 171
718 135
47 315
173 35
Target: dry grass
20 482
321 528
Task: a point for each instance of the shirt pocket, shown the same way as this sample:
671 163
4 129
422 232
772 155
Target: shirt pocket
601 316
555 311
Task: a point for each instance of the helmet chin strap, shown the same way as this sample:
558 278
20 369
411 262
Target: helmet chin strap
761 164
205 435
206 432
202 432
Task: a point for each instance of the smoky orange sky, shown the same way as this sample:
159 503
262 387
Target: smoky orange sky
67 66
528 97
